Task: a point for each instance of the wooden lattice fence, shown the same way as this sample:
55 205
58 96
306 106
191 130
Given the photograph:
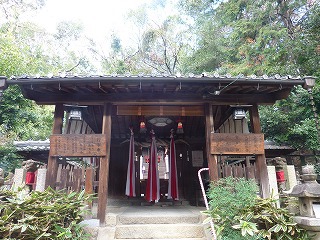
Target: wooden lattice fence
238 171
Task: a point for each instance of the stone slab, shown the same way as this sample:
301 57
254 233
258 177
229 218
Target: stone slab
290 175
106 233
159 231
273 182
41 179
308 221
158 215
19 179
167 238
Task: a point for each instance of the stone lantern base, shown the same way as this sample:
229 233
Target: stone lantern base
312 225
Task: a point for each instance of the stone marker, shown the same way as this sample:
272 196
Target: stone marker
273 184
291 178
41 179
19 178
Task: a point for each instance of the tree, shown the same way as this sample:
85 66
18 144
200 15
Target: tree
263 37
157 45
161 46
13 10
27 49
20 119
250 37
291 121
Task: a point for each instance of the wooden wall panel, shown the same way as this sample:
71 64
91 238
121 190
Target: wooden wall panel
237 143
78 145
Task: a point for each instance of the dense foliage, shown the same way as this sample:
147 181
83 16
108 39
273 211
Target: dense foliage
263 37
291 121
41 215
265 220
238 213
234 36
227 197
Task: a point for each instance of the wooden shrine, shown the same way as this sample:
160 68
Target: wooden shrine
204 105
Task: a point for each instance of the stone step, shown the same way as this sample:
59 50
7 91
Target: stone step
158 215
125 220
159 231
167 238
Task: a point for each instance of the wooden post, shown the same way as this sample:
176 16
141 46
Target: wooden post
88 186
52 167
104 166
260 159
212 159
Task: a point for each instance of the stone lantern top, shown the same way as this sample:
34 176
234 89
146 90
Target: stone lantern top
309 187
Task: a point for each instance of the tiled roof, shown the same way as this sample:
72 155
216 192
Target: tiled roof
272 145
151 76
32 145
45 145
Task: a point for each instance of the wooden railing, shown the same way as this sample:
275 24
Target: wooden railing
73 178
238 171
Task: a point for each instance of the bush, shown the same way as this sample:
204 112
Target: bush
238 213
272 222
41 215
228 196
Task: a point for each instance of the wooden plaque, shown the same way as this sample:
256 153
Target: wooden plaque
78 145
237 143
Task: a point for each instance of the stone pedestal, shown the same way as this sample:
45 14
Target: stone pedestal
312 225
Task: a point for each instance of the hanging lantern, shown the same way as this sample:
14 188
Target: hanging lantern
143 128
180 128
75 114
239 113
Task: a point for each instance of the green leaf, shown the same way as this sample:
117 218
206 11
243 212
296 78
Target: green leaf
276 228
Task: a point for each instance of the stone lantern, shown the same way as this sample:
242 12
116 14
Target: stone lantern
308 194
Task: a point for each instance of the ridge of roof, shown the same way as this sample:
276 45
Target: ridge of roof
32 145
149 76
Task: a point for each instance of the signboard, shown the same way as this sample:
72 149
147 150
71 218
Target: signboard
78 145
237 143
197 158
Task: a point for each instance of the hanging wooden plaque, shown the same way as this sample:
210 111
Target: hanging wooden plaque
78 145
237 143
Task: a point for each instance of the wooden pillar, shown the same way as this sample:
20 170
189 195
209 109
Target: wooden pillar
260 159
52 167
104 166
212 159
88 185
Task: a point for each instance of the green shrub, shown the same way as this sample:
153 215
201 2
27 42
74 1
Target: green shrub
272 222
238 213
41 215
228 196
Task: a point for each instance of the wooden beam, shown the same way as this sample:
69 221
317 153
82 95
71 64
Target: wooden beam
146 98
254 119
160 110
260 159
52 161
212 159
104 166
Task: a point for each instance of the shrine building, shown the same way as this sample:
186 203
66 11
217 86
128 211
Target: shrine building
215 121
